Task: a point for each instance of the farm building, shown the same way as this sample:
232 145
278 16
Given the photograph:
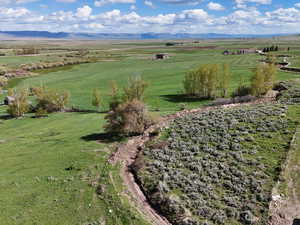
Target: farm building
162 56
240 52
226 52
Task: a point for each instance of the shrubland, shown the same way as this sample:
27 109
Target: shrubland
218 167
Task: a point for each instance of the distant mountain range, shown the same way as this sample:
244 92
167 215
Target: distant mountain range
8 35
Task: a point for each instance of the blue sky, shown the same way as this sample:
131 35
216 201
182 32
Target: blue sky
135 16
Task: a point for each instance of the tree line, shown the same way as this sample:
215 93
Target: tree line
212 81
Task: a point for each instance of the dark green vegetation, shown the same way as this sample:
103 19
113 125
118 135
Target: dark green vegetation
51 168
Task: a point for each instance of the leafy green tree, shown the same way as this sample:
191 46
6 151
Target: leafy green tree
208 81
135 89
263 79
224 80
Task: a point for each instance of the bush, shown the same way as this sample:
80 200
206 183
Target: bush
96 98
182 106
50 100
135 89
115 96
39 113
242 90
3 81
27 51
129 118
2 71
20 105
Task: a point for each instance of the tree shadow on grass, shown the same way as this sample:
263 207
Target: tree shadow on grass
181 98
296 222
102 137
5 117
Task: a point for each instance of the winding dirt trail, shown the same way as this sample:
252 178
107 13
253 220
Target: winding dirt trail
284 209
126 155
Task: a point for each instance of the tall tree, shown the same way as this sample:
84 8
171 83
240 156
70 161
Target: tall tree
263 79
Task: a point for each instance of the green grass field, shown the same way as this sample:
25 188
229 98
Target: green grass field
165 77
51 167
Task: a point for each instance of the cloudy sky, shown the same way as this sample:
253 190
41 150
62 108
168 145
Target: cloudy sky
136 16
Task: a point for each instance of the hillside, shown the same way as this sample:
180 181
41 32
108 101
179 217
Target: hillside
9 35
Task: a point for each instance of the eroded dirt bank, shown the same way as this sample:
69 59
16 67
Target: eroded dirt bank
285 207
127 153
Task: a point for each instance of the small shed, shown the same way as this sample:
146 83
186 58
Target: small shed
226 52
162 56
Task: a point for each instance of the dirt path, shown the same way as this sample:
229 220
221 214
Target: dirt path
127 153
284 209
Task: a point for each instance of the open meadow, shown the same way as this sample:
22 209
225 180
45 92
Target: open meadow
55 170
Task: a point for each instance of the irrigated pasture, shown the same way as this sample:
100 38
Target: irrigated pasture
54 170
164 76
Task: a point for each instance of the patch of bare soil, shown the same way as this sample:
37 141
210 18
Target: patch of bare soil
126 155
285 210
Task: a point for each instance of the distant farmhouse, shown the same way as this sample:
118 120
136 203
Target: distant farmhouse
240 51
160 56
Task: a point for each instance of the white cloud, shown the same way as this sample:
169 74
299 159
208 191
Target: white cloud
94 26
215 6
242 3
297 5
66 1
289 15
167 19
61 16
111 15
100 3
183 2
149 3
13 13
133 7
5 2
248 20
84 12
193 14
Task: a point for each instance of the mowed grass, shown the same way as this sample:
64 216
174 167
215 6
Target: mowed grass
51 167
164 77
